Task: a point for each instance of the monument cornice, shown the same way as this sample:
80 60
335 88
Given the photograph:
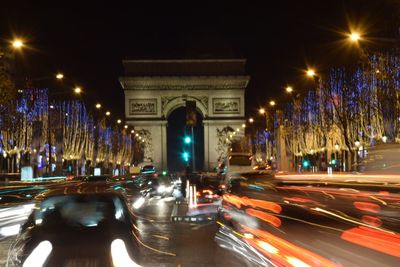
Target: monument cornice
185 82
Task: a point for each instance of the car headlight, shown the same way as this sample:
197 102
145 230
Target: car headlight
138 203
161 189
39 255
120 256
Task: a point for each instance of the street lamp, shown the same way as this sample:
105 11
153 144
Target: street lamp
59 76
310 73
126 126
337 146
272 103
354 37
119 121
289 89
108 113
77 90
17 43
243 125
98 105
132 131
251 120
261 111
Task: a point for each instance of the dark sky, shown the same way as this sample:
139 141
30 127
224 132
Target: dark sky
278 38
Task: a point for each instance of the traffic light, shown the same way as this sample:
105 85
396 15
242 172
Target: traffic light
185 156
164 173
333 161
187 140
306 163
191 119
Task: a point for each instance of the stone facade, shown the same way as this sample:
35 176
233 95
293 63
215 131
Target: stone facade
149 100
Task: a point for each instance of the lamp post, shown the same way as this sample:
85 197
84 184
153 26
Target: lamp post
357 144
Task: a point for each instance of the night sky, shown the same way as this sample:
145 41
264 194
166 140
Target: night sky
278 38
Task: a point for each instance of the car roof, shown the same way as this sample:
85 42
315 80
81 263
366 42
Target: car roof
82 189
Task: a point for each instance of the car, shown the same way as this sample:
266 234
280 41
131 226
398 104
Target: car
97 178
271 221
161 186
146 169
77 229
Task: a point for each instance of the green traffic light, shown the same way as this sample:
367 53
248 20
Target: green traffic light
306 163
185 156
188 140
333 161
164 173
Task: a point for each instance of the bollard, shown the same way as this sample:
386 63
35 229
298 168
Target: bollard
329 171
187 191
194 196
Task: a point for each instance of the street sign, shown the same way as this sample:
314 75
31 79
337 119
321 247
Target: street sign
191 113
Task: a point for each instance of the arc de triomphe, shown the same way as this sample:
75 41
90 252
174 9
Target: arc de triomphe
155 88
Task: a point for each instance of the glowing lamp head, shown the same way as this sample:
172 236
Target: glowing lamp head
185 156
289 89
119 121
126 126
354 37
98 105
108 113
261 111
251 120
272 103
59 76
17 43
77 90
310 73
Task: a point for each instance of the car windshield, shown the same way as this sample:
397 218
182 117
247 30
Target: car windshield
78 210
148 168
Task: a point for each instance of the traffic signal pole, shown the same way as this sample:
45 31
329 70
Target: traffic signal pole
193 158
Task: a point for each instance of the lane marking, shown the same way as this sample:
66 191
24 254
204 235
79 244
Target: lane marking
161 237
151 248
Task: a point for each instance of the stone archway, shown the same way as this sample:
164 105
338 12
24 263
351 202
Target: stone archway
154 88
176 131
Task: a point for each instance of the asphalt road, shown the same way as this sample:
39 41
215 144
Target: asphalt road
168 243
303 222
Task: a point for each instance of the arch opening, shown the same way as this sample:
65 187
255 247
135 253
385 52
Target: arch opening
176 146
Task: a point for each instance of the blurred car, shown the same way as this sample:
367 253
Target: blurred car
207 195
157 186
304 222
90 229
97 178
146 169
77 178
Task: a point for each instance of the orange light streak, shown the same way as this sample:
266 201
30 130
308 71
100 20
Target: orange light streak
367 206
371 220
254 203
374 239
284 252
269 218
